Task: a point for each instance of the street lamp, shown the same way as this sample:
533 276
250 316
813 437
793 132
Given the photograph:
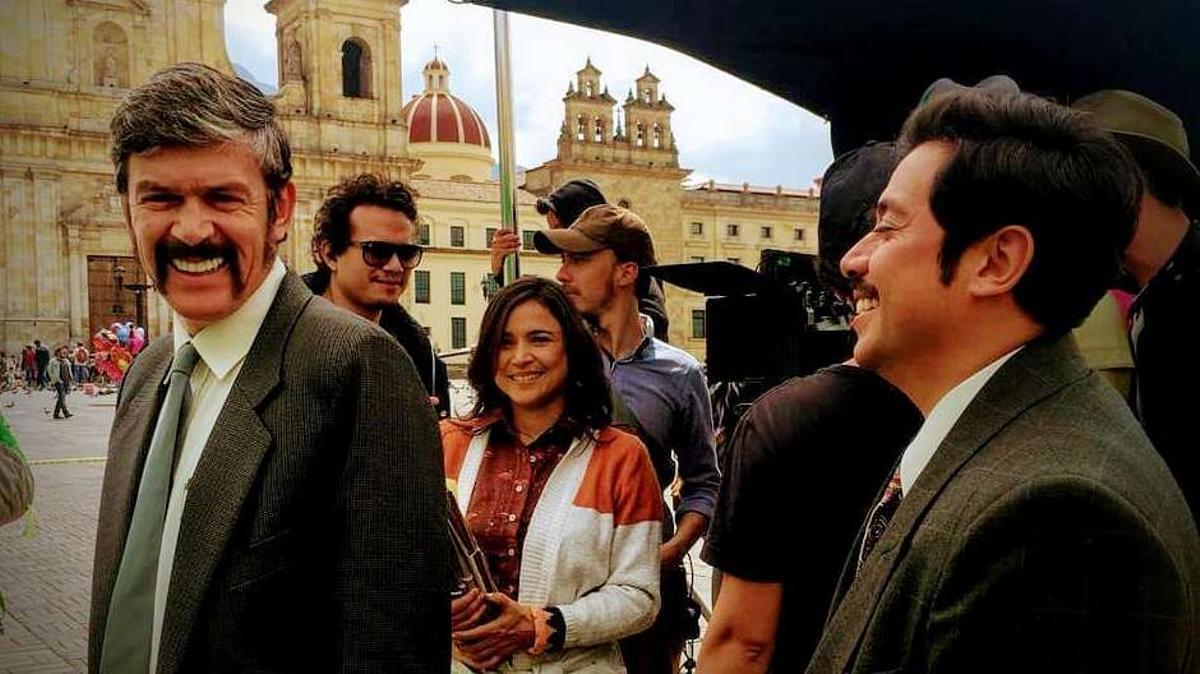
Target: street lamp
138 290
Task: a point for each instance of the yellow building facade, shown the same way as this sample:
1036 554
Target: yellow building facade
68 263
631 154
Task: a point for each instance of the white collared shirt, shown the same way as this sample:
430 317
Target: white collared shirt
222 347
941 420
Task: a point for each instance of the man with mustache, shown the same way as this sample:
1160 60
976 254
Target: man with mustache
1029 526
363 247
273 497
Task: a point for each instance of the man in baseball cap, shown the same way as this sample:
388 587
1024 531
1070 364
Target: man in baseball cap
660 392
1163 259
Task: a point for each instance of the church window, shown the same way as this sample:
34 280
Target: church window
598 136
356 69
657 136
580 128
640 135
588 90
646 98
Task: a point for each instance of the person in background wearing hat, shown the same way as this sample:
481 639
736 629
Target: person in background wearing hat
660 391
772 605
1163 261
561 208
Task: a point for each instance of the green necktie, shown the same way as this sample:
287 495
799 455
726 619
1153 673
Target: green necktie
131 612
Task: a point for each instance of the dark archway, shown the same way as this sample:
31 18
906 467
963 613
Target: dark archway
356 69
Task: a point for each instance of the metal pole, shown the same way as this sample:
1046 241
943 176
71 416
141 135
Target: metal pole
508 190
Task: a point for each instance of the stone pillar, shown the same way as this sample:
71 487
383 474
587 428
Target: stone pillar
49 264
78 289
20 288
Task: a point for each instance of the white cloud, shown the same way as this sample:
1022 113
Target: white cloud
727 129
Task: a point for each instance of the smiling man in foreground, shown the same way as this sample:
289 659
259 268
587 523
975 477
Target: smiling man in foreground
273 493
1029 526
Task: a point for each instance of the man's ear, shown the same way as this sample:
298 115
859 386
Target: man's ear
626 273
999 261
285 206
330 260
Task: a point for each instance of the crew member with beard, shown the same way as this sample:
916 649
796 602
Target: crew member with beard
375 217
273 498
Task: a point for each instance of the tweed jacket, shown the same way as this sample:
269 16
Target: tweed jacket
312 538
1044 535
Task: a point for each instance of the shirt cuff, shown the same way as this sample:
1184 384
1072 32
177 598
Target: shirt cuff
558 627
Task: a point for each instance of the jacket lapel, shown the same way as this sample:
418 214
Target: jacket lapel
226 473
129 441
1042 368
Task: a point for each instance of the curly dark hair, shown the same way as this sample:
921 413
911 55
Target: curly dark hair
588 397
1021 159
332 224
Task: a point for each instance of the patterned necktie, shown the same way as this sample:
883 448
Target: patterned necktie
881 515
131 612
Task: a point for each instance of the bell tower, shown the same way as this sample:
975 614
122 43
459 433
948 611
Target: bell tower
648 123
339 60
587 124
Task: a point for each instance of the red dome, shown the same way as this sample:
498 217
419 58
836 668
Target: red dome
439 117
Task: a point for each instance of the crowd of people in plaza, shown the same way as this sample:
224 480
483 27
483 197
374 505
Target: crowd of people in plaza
112 351
962 493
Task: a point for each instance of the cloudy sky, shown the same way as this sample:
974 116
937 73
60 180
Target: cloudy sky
726 129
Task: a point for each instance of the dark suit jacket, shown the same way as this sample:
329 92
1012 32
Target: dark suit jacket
313 534
1045 535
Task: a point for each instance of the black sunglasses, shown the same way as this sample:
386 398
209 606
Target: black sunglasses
378 253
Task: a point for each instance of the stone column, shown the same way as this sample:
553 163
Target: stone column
49 263
20 289
78 290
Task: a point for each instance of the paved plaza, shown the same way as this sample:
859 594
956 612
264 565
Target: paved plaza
46 578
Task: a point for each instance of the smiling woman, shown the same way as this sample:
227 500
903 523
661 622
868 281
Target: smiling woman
565 508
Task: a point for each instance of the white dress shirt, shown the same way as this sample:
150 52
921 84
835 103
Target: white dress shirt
941 419
222 347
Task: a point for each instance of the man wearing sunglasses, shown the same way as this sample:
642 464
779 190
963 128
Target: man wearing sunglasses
364 251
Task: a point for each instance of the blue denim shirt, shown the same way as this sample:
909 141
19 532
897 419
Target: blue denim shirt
666 390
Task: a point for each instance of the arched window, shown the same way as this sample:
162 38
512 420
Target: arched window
356 69
580 128
588 91
658 137
640 136
598 135
110 56
646 95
